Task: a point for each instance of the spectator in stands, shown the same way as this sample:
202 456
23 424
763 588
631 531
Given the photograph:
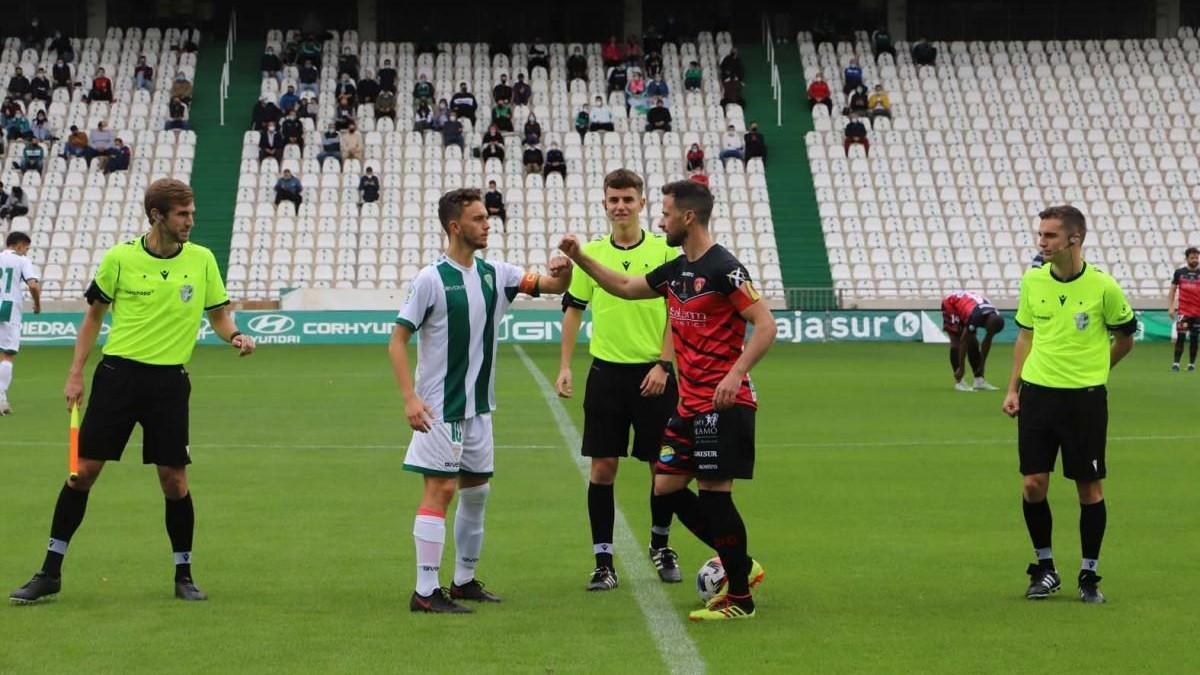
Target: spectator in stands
493 135
879 104
289 100
583 122
422 118
178 115
387 77
291 52
693 78
493 145
346 89
493 201
101 87
556 162
923 53
101 140
502 113
756 145
539 56
819 94
577 65
531 133
502 91
695 157
270 143
343 113
181 88
697 175
600 116
441 115
307 107
618 77
611 53
657 88
118 157
856 134
143 75
533 159
348 63
62 47
635 92
41 128
33 158
731 92
652 40
352 143
732 65
310 50
39 86
288 189
852 77
16 205
632 51
62 74
385 104
18 85
463 103
368 187
310 79
77 144
452 131
270 65
881 42
733 145
35 36
331 145
658 118
857 101
368 88
653 64
522 92
292 130
18 126
265 112
422 91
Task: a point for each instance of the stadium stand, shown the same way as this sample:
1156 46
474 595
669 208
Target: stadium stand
76 210
333 241
980 142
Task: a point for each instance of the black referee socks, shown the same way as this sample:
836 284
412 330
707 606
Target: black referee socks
602 511
68 514
1093 518
181 525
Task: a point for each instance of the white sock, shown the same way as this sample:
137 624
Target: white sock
468 531
6 368
429 534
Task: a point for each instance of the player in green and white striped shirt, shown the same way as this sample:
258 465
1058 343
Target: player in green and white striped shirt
454 305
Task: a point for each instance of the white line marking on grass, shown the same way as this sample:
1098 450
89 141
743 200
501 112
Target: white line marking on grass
676 647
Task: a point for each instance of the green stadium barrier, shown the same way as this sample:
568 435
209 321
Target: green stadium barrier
531 326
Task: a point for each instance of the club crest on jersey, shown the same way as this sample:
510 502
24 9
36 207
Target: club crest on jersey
698 284
1081 320
487 279
185 292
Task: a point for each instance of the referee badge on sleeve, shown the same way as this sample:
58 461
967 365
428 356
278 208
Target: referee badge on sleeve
1081 320
185 293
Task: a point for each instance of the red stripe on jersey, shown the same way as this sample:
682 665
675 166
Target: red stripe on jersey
1188 281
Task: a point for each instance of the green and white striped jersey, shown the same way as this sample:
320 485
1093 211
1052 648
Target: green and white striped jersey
455 311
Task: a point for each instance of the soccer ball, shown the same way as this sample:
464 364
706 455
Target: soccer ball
709 579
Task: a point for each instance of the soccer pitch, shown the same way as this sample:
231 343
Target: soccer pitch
885 510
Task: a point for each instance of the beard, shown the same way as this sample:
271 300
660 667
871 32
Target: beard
677 238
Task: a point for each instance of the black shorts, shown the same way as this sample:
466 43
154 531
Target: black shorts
1188 324
613 403
1073 420
127 392
978 317
716 445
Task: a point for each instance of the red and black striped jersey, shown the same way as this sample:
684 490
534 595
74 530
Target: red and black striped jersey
1188 281
705 298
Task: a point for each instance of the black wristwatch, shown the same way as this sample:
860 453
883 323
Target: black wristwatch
667 366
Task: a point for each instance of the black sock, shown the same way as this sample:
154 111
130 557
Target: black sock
601 512
686 507
1040 523
1192 349
729 538
1092 520
1179 347
181 525
661 513
68 514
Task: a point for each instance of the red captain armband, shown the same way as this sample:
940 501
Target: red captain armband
744 295
529 284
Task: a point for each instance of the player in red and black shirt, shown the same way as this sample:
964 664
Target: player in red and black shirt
1185 287
963 314
710 299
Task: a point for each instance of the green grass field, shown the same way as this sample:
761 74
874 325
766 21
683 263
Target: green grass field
885 510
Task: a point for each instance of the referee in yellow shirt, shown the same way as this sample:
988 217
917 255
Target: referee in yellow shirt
1061 362
158 286
631 381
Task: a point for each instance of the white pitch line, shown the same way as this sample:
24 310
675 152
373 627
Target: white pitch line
678 651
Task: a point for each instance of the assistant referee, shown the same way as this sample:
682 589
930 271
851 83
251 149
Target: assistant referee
159 286
1061 363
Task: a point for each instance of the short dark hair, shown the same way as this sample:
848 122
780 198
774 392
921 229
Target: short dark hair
16 238
691 196
1071 218
623 179
1191 250
450 206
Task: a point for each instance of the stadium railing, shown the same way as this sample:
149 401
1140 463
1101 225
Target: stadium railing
813 299
776 83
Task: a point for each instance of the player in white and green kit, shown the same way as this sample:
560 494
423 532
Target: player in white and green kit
455 305
16 270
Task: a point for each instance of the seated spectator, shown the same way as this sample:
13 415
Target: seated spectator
463 103
852 77
264 113
61 72
422 91
293 130
17 204
118 157
695 157
33 158
577 65
611 53
178 115
289 100
856 134
658 118
556 162
493 201
756 145
310 79
343 113
385 104
41 128
368 88
270 143
539 56
502 91
102 140
635 92
532 159
502 113
352 143
492 149
653 64
291 52
307 107
522 92
331 145
452 131
819 94
270 65
732 145
368 187
652 40
348 63
732 65
288 189
422 118
441 115
881 42
632 51
601 116
101 88
17 126
181 88
62 47
693 77
387 77
310 50
77 144
657 88
532 132
857 101
697 175
18 85
923 53
731 92
493 135
143 75
346 89
583 122
879 104
618 77
39 86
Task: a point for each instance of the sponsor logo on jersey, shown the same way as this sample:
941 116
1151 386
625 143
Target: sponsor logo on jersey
689 316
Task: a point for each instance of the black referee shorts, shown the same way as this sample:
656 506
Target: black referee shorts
1073 420
613 403
127 392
